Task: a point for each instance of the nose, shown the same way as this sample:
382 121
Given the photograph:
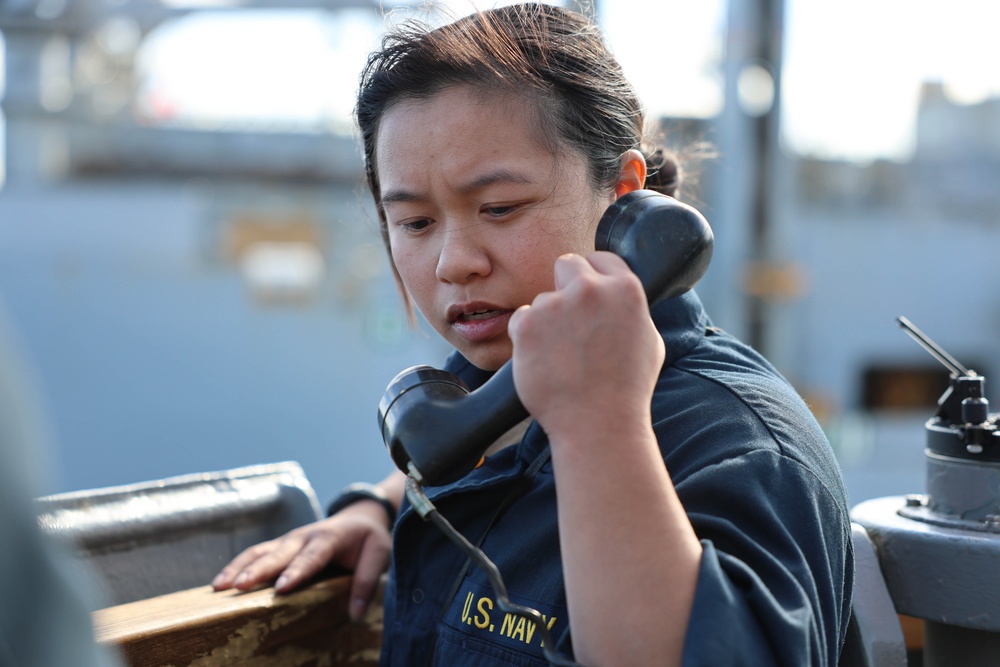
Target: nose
463 255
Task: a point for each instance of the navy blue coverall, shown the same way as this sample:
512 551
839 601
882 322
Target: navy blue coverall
754 472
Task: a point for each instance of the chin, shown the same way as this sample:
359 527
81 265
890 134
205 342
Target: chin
487 359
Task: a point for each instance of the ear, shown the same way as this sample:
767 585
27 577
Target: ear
633 174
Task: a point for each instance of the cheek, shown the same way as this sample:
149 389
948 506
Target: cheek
592 215
579 224
412 268
580 232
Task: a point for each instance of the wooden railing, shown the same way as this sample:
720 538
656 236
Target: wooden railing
203 628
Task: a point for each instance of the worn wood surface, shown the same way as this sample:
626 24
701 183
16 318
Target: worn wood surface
202 628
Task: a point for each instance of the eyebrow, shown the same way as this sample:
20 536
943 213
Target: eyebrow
499 175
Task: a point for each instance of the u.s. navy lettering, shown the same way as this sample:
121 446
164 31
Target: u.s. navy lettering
478 611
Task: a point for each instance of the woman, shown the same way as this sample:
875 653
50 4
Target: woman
699 517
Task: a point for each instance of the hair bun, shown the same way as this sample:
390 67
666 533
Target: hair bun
663 173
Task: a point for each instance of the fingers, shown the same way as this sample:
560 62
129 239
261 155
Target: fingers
228 576
372 562
315 555
263 563
356 542
570 267
295 557
514 324
608 263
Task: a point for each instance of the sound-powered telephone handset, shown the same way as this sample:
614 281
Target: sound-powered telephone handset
436 430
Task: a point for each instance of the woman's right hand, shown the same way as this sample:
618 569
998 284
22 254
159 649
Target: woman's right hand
356 538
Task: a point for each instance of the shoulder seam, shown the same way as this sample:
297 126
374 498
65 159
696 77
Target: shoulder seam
738 397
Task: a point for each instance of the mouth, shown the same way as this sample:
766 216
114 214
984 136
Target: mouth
480 322
478 315
474 312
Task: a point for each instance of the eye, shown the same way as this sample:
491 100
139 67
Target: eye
414 226
499 211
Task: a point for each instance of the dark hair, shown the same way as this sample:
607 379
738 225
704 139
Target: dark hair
551 55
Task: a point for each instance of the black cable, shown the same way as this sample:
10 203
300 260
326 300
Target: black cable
524 482
427 511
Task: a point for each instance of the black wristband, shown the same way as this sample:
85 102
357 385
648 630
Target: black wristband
362 491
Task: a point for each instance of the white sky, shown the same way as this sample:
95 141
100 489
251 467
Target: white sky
852 68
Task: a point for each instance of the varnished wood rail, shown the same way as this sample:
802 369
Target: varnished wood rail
203 628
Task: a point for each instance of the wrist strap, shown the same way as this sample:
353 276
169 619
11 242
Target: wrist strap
362 491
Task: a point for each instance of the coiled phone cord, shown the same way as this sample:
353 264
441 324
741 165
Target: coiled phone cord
428 512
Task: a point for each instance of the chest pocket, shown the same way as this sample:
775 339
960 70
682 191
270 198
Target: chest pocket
475 631
523 540
455 648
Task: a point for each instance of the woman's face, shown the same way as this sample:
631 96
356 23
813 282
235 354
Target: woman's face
478 209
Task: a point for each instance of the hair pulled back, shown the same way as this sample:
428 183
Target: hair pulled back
551 55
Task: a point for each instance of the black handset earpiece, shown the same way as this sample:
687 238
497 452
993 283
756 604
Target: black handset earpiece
436 430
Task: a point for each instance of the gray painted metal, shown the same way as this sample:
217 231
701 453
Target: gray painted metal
163 536
119 148
874 636
940 574
964 489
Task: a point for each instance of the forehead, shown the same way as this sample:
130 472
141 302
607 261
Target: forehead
464 124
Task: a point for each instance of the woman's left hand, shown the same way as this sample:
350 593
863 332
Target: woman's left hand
589 349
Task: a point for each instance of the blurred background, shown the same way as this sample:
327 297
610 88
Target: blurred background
192 267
